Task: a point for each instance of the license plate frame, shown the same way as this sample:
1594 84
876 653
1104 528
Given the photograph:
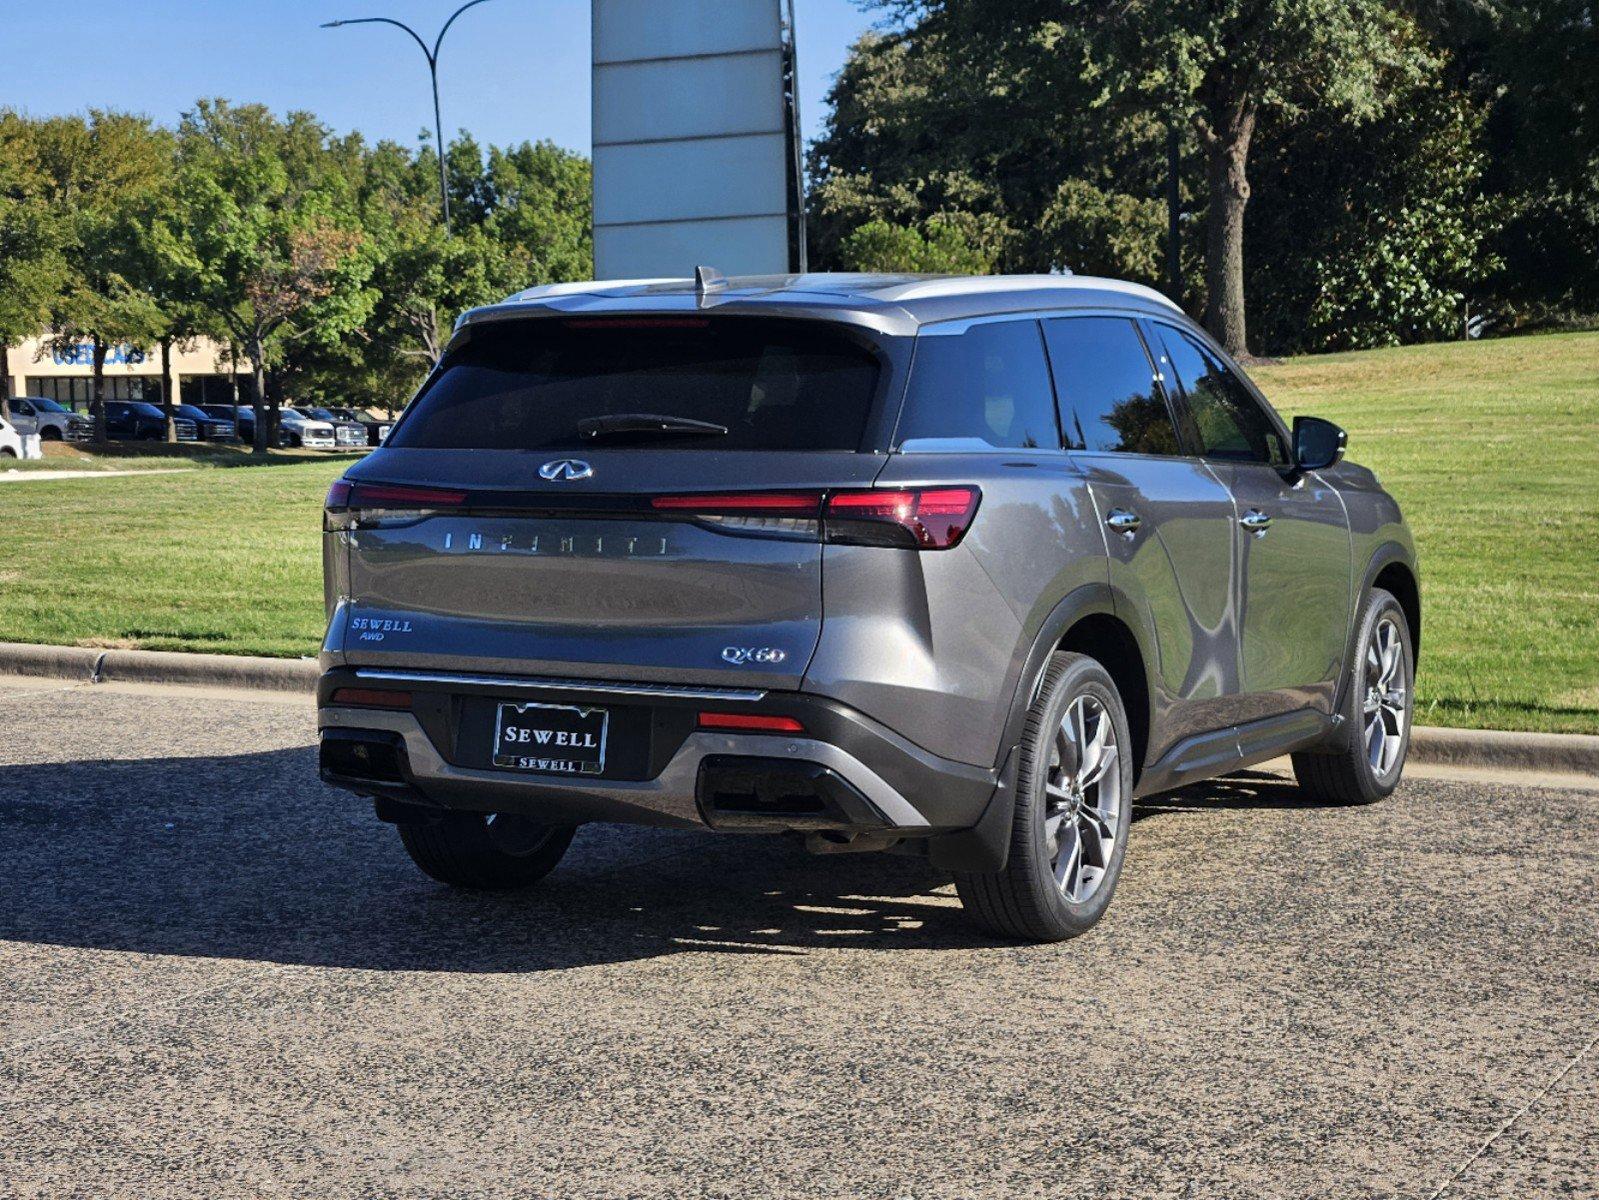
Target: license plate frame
587 726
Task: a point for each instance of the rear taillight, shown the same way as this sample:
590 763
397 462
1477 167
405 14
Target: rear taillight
745 504
793 516
905 518
912 518
749 723
347 498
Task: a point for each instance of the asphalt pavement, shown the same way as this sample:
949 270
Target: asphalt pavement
220 978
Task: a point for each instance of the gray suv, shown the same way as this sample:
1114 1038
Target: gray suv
954 567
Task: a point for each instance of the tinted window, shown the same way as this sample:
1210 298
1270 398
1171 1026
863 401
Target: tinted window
1106 387
1226 421
775 385
989 384
49 406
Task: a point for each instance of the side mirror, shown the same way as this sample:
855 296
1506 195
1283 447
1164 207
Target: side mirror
1318 444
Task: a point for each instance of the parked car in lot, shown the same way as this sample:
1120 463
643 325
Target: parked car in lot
377 428
10 440
295 428
958 567
52 422
347 433
136 421
210 428
245 426
300 428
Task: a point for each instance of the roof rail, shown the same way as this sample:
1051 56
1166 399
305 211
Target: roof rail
588 287
965 285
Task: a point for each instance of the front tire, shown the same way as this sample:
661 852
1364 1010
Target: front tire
1074 804
1366 765
486 851
49 434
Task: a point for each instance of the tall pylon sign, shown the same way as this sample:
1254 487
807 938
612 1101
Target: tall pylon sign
696 138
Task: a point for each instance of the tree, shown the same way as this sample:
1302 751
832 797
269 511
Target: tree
32 268
265 236
1372 235
938 249
99 174
1225 63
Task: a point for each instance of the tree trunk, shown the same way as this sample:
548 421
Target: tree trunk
5 382
168 404
233 379
97 392
1226 168
265 422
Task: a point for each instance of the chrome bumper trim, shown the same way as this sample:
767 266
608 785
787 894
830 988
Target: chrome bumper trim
661 691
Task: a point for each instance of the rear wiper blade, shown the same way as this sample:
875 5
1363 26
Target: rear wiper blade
596 427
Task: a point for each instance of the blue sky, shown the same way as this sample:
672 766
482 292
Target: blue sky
510 69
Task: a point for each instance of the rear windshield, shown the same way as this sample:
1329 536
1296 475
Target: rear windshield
526 385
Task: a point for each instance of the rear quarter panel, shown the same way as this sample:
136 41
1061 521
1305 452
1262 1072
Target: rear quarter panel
933 643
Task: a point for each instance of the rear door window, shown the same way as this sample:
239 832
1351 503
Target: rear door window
987 386
1109 401
527 385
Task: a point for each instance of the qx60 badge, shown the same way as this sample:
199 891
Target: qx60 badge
739 655
565 470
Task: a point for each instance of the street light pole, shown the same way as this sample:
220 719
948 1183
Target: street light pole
433 74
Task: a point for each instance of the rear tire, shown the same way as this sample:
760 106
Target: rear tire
1370 758
1074 803
486 851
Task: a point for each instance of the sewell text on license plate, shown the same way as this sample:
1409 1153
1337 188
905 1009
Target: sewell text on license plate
554 739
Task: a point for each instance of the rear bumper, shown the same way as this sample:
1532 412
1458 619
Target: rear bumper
845 773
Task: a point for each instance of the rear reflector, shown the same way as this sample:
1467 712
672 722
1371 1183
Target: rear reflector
371 698
747 504
749 723
924 519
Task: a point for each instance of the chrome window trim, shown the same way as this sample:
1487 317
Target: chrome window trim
550 684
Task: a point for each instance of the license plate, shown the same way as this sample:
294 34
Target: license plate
552 739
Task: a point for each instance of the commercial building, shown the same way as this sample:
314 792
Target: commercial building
201 373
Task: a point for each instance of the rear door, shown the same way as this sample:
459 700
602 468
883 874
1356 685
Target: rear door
1292 538
545 507
1168 520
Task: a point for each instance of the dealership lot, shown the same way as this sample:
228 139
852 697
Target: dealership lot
218 978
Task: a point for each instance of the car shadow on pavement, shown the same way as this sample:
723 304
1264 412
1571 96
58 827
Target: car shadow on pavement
250 857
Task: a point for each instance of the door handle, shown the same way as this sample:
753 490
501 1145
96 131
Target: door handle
1124 522
1256 522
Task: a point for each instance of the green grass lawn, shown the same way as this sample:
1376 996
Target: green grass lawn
1492 448
215 560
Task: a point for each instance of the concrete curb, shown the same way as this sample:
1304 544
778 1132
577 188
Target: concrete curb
89 665
1558 753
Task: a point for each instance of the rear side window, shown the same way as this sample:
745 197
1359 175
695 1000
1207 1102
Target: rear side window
988 384
1106 384
1227 421
527 385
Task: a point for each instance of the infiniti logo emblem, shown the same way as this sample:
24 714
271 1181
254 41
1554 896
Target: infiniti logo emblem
565 470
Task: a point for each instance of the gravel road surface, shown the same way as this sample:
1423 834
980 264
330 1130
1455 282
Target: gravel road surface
219 978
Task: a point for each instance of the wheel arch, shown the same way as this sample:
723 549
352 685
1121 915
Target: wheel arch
1087 622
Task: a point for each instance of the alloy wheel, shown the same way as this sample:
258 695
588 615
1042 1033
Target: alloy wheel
1083 800
1387 696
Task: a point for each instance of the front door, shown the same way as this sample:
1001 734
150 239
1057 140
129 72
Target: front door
1291 538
